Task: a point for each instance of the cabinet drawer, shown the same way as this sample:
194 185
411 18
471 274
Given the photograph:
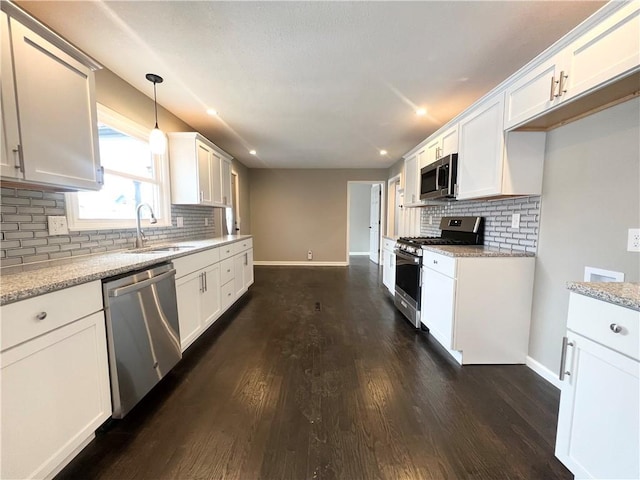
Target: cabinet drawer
597 320
227 295
440 263
191 263
243 245
227 251
388 244
20 320
226 271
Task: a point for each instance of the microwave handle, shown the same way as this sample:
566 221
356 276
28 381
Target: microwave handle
438 177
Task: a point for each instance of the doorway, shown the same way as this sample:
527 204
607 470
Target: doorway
365 219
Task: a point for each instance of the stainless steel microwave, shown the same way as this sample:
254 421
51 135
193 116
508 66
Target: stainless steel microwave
439 179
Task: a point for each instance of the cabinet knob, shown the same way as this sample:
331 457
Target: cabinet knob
41 315
615 328
435 262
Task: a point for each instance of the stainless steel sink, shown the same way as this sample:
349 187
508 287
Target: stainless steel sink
168 248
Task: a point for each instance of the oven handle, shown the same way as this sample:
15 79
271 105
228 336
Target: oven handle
406 256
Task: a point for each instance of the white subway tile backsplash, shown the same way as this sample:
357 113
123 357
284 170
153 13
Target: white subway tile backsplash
25 238
497 214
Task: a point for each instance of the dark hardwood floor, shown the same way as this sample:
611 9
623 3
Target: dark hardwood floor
314 375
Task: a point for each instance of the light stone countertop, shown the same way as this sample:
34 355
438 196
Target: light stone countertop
474 251
625 294
30 280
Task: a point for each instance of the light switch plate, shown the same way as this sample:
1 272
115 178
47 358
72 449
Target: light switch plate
57 225
179 222
633 240
206 222
515 220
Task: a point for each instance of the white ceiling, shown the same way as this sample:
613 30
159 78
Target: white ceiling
314 84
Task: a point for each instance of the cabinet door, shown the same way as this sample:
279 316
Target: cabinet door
55 393
437 305
598 418
210 297
449 141
9 161
534 93
226 182
480 159
188 292
248 268
607 51
238 279
205 173
56 101
412 183
432 153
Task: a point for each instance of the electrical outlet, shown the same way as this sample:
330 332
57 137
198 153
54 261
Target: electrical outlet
179 222
309 255
430 219
57 225
633 240
206 222
515 220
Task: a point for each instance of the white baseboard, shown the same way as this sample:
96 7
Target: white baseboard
268 263
544 372
359 253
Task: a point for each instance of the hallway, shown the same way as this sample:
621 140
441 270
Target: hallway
315 375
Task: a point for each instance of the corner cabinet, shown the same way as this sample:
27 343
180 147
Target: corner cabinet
53 142
411 181
458 306
55 379
605 53
200 171
599 420
389 265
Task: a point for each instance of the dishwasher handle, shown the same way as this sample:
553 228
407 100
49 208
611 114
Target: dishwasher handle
116 292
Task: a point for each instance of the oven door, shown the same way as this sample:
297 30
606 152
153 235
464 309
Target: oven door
407 291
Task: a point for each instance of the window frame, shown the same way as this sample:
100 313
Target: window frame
161 167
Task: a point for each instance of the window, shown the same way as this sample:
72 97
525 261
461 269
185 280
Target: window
132 175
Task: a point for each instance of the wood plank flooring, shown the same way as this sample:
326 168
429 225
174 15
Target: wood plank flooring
315 375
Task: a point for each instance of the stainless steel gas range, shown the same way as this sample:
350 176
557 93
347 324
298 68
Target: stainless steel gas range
408 251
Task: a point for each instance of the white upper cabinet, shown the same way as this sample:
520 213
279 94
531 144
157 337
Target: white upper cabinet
603 54
49 121
200 171
444 144
481 150
411 181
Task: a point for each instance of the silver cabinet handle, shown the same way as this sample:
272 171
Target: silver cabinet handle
562 88
435 262
18 151
246 259
615 328
41 315
206 287
201 196
563 358
552 94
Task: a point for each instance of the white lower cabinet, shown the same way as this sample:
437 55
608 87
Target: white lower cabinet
55 385
599 422
204 294
478 308
389 265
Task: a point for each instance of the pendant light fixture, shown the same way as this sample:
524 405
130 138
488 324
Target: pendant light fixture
157 139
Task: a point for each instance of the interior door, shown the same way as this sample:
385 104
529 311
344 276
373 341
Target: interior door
374 224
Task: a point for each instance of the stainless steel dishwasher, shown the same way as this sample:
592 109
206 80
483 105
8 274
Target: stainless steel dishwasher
142 333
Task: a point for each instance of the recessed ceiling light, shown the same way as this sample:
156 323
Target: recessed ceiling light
383 152
252 152
212 112
421 112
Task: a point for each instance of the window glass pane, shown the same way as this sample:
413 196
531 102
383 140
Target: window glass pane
123 153
117 199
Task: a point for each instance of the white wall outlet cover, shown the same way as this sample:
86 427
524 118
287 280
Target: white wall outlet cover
633 240
206 222
515 220
309 255
57 225
179 222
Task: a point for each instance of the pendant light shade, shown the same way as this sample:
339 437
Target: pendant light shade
157 138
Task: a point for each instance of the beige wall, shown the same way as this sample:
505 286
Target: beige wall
396 169
118 95
294 210
590 198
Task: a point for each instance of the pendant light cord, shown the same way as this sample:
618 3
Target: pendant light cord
155 103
